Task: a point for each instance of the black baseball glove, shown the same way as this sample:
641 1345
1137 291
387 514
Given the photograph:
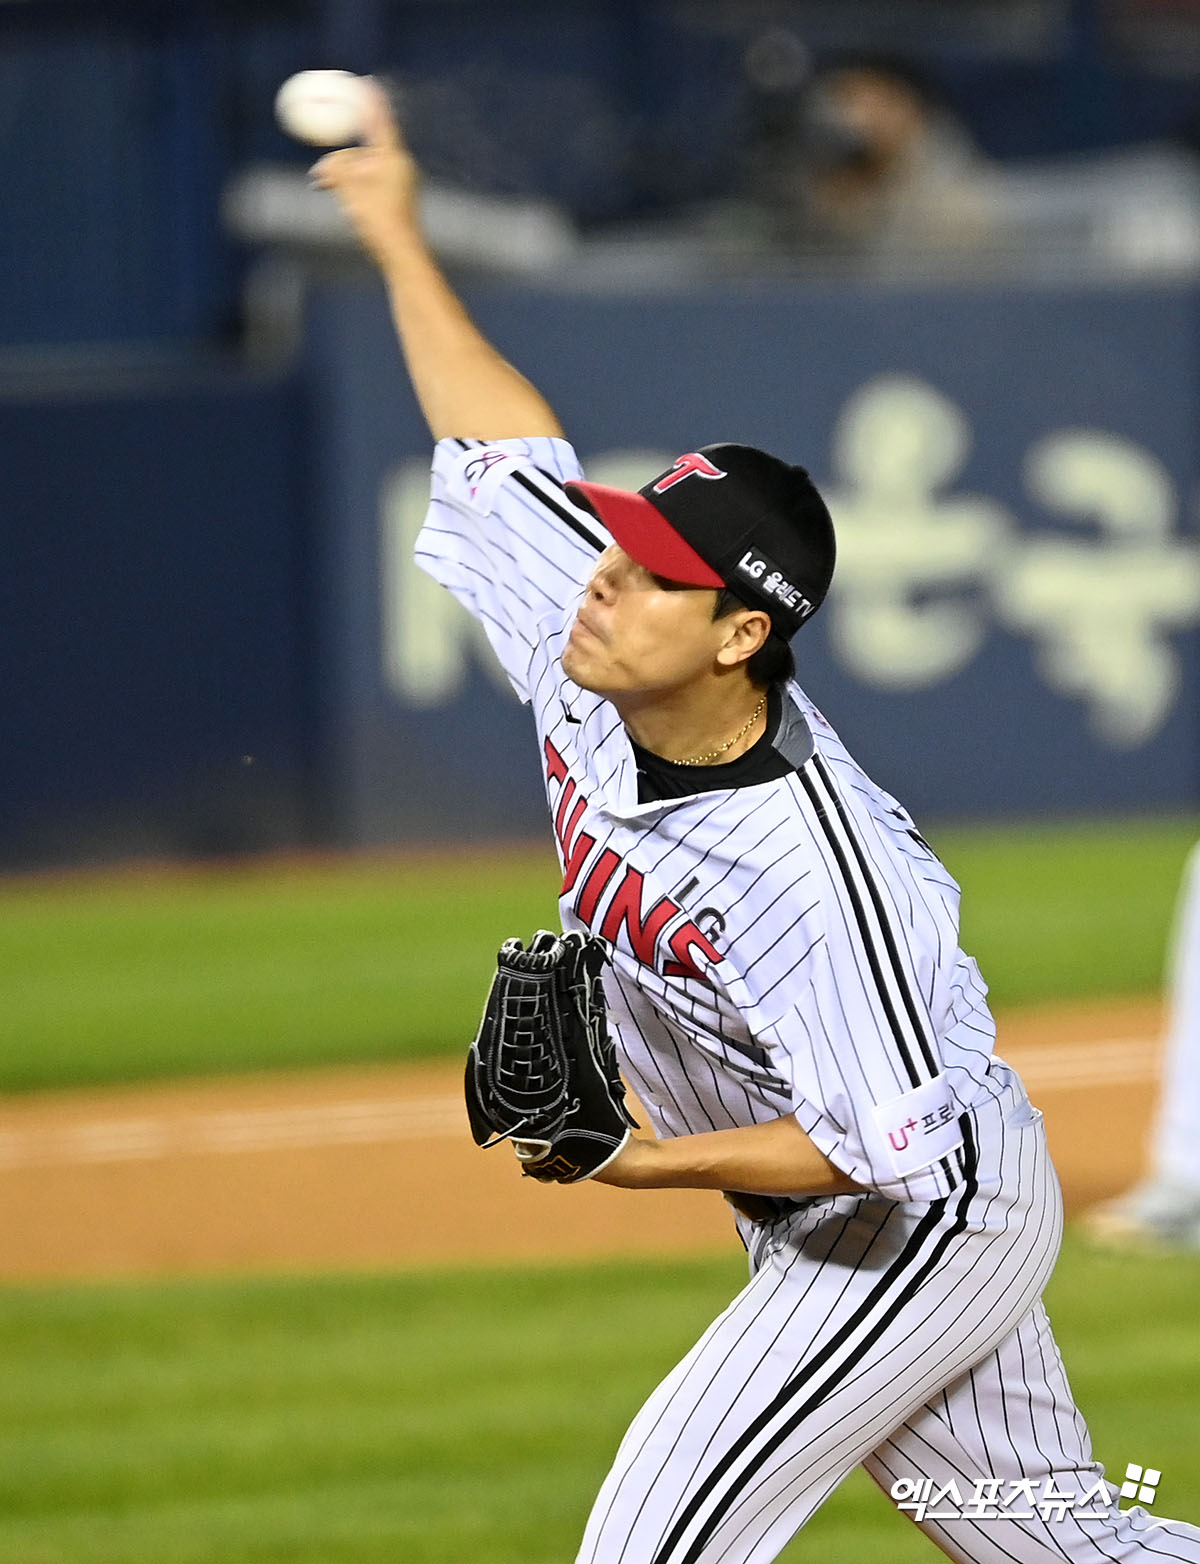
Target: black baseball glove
542 1071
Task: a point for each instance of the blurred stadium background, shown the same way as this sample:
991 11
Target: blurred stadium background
263 804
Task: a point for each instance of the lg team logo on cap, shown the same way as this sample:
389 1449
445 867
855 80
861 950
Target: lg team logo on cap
693 465
771 582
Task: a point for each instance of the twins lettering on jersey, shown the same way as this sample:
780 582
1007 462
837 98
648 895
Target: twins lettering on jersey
590 868
771 581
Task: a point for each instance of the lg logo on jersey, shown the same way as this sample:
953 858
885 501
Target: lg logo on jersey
593 868
709 920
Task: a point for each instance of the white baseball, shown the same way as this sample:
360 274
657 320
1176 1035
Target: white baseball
324 108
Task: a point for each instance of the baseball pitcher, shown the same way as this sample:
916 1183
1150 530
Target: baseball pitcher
761 939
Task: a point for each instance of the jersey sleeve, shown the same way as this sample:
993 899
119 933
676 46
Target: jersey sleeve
855 1039
503 537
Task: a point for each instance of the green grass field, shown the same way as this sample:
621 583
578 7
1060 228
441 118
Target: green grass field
264 966
456 1416
464 1416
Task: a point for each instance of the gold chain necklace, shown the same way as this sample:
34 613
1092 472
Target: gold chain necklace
711 755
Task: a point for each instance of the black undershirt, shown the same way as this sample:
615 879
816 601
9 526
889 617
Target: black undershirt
762 762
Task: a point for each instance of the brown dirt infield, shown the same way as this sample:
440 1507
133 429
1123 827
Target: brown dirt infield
373 1167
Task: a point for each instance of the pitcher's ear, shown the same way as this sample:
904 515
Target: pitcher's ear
747 632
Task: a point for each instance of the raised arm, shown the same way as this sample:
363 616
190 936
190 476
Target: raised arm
465 388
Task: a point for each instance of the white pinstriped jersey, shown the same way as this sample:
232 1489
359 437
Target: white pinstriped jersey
786 946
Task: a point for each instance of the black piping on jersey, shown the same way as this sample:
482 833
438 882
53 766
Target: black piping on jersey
821 769
914 1015
899 1284
873 956
561 510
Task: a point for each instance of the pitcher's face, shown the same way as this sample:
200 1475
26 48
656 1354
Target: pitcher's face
636 633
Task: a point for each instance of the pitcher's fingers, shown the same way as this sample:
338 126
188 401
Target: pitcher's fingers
328 170
320 170
379 120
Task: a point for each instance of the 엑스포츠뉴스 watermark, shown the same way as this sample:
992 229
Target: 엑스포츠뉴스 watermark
1141 1483
1013 1499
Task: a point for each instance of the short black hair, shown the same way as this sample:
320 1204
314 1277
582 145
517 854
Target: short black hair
774 662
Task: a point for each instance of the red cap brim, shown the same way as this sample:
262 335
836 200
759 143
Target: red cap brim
646 535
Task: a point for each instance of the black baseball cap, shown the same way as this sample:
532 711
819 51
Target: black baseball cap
728 516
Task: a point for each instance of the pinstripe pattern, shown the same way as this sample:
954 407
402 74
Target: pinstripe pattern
1012 1414
854 1320
792 946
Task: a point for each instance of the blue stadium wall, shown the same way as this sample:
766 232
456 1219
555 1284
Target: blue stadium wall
155 625
1012 629
215 639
